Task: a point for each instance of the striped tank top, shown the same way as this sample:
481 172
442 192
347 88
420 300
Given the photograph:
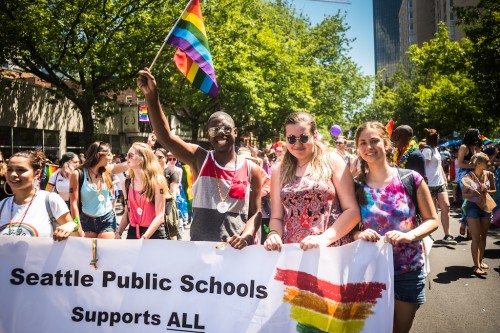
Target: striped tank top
208 223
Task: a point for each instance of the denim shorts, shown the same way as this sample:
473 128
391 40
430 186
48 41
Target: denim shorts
473 211
435 190
100 224
410 287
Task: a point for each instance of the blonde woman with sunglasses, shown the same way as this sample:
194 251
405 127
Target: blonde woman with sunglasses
312 192
226 191
145 195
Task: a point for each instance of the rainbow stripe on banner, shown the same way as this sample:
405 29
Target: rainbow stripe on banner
47 173
143 113
319 306
193 58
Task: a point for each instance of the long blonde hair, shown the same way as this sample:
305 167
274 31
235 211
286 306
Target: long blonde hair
320 166
150 169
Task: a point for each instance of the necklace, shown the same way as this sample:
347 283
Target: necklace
97 187
223 206
22 219
403 159
96 174
301 166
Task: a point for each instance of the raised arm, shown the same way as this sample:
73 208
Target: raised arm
191 154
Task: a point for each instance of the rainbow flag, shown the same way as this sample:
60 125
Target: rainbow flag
47 173
193 56
143 113
319 306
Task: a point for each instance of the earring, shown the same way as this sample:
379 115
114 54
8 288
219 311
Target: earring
5 189
35 183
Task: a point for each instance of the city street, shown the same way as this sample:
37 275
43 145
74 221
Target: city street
457 301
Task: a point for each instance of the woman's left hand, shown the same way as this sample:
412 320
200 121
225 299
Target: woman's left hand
313 241
238 242
64 231
396 237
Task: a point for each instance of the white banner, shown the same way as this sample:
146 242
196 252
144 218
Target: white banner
175 286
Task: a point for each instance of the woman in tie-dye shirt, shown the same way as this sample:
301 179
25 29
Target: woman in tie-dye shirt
388 211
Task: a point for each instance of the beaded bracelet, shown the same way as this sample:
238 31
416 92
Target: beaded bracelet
275 231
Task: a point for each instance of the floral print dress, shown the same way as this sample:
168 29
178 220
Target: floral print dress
391 208
311 206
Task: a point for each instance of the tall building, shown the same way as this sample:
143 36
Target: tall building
401 23
387 36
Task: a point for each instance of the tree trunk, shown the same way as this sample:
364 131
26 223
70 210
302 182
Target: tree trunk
88 125
194 133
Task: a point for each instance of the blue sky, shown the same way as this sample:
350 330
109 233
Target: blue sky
359 17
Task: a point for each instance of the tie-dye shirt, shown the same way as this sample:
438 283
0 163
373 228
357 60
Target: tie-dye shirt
391 208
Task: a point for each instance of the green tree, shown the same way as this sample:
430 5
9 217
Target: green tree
87 49
482 27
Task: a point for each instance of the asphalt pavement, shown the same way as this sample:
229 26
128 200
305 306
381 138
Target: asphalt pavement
457 300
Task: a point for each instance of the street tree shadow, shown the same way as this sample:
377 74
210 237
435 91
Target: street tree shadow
454 273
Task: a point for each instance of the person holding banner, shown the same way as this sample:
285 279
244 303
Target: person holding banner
388 211
479 183
226 193
90 186
312 192
32 212
59 180
145 195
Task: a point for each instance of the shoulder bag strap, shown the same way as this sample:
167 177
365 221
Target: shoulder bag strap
3 204
53 220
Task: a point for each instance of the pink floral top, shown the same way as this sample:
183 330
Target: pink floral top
311 206
391 208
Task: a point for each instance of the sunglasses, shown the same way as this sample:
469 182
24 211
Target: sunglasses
213 131
1 161
304 138
130 155
172 159
339 143
160 157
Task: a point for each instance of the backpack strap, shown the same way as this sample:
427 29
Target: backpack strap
80 184
3 204
53 220
406 177
125 195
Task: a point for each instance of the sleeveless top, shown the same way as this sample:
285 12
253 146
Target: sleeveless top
311 206
208 224
462 172
90 198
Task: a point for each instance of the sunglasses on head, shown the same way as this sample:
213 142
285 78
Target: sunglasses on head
304 138
213 131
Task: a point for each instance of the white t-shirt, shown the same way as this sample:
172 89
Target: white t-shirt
61 185
36 223
433 166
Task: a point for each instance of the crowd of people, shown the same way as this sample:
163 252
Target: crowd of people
298 191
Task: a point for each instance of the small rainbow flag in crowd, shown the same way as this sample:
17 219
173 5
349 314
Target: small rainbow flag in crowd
47 173
193 56
486 141
389 127
319 306
143 113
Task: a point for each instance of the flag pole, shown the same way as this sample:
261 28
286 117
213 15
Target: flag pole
166 38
